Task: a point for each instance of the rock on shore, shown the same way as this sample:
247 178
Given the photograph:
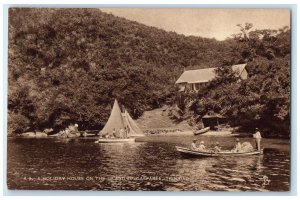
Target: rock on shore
34 134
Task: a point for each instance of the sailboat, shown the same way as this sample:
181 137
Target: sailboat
119 120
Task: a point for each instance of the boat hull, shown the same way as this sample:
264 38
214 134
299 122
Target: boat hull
201 131
117 140
187 151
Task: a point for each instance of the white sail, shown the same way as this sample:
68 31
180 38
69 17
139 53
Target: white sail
118 120
132 127
115 120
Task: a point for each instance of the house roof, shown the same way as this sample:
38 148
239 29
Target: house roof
204 75
240 68
207 116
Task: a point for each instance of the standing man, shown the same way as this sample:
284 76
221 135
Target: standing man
126 131
76 131
257 137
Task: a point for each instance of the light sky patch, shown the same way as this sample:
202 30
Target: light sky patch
209 23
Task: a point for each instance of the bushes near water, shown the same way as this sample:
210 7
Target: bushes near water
67 65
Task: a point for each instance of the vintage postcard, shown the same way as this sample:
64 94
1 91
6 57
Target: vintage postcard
149 99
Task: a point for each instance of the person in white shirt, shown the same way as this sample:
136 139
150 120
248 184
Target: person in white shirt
202 146
257 137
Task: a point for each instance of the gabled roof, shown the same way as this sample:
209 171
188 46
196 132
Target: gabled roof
204 75
240 68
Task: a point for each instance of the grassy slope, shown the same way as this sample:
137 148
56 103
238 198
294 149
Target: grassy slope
158 119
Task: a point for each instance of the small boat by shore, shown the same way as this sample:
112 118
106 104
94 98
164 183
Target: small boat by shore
187 151
115 140
201 131
120 127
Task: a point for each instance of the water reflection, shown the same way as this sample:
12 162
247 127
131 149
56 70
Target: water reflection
152 165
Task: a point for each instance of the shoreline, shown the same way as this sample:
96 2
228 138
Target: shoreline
159 133
191 133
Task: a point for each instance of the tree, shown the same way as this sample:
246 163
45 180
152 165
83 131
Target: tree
262 100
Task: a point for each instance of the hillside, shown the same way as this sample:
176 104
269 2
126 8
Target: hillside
67 65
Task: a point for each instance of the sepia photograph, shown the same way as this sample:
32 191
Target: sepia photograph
149 99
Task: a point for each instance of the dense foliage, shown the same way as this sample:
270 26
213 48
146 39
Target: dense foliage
263 100
67 66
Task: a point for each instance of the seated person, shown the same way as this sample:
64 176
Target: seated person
238 146
202 146
121 133
194 145
217 148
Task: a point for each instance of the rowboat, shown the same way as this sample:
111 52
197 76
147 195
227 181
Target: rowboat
115 140
201 131
187 151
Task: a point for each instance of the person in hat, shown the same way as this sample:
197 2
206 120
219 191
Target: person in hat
238 146
257 137
217 148
202 146
194 145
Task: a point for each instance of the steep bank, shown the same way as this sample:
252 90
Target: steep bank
158 119
68 65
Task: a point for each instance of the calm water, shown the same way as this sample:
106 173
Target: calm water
151 164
